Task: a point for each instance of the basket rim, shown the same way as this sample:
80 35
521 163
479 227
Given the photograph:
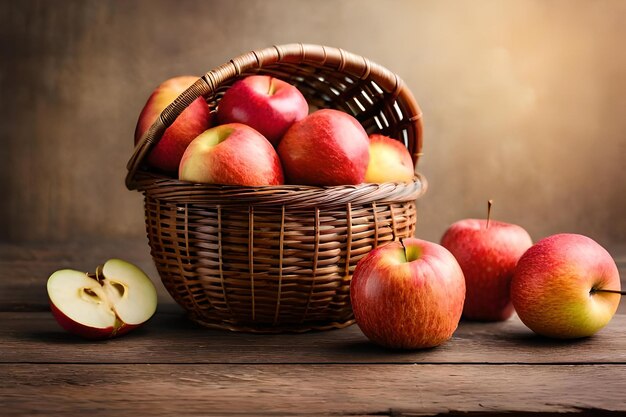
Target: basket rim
166 189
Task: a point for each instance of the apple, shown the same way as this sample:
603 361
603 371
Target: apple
233 154
265 103
117 299
195 119
487 251
390 161
408 294
328 147
566 286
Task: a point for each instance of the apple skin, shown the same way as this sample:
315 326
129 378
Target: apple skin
410 304
194 120
390 161
87 332
232 154
265 103
328 147
553 282
488 256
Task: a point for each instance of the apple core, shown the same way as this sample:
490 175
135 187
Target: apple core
88 294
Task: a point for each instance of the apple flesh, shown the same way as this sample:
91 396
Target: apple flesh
408 295
264 103
557 287
488 252
390 161
233 154
195 119
328 147
117 299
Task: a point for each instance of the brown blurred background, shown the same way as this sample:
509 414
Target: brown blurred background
524 102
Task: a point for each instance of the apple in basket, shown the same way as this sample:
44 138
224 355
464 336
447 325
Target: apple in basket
390 161
119 297
487 251
566 286
195 119
328 147
231 154
264 103
408 294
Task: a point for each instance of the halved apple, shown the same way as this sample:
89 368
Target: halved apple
116 299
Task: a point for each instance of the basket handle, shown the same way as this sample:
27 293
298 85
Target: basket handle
325 56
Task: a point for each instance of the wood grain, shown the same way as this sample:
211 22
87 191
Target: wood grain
169 338
25 268
171 366
307 389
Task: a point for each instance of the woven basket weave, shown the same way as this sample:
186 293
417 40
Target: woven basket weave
280 258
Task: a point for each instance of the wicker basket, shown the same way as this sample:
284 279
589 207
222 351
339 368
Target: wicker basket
280 258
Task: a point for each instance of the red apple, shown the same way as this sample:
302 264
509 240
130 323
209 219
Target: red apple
328 147
487 251
264 103
233 154
566 286
117 299
390 161
408 294
195 119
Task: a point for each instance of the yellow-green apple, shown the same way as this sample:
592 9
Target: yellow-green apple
118 298
265 103
390 161
233 154
328 147
566 286
195 119
487 251
408 294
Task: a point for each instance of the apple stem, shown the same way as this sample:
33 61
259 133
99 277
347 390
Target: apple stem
270 91
403 247
593 290
489 204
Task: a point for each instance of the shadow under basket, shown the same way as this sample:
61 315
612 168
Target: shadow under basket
280 258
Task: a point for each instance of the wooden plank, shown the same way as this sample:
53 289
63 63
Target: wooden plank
24 269
307 389
169 338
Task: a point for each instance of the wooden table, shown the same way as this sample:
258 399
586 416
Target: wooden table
172 367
